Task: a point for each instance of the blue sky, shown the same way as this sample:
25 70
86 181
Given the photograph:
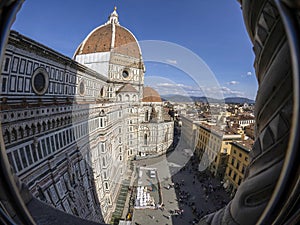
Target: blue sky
213 30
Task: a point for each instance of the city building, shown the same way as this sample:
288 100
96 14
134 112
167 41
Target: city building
213 147
72 126
237 165
188 130
244 121
249 131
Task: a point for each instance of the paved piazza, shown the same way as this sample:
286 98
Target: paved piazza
158 216
187 195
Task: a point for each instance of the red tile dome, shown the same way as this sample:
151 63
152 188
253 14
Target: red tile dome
150 95
110 37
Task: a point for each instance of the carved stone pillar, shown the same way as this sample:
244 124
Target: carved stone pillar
274 107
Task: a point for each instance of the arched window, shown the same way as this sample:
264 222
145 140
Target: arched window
14 135
21 132
27 131
49 125
7 136
33 129
119 98
57 122
44 125
146 115
39 127
102 113
102 92
145 139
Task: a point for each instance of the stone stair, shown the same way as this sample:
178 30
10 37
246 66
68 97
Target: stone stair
120 203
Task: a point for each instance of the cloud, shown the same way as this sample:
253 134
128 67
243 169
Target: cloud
173 85
182 89
166 85
229 92
248 74
233 82
166 88
171 61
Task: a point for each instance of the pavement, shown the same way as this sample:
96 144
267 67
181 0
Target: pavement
169 198
183 189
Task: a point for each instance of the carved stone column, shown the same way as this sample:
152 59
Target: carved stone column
274 107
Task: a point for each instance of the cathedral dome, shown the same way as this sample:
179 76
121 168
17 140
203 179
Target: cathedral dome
110 37
150 95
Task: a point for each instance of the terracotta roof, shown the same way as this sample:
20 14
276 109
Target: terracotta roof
99 40
125 43
150 95
127 88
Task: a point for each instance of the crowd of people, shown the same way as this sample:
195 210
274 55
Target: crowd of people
198 193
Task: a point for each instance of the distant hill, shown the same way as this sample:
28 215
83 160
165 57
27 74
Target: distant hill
238 100
229 100
177 98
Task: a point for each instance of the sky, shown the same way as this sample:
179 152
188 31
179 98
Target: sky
206 43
